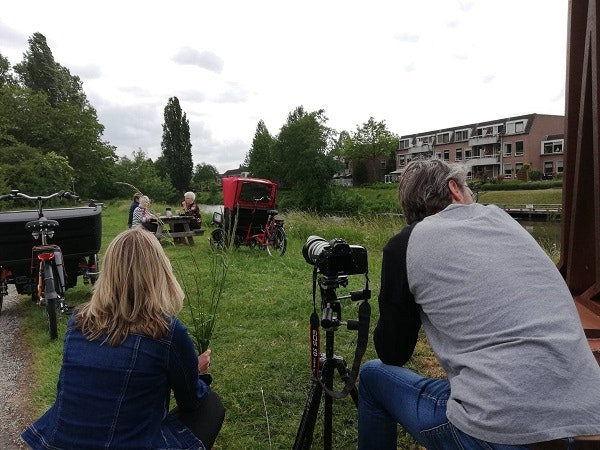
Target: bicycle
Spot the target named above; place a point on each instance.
(46, 261)
(271, 235)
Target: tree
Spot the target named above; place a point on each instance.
(302, 157)
(140, 171)
(259, 159)
(176, 146)
(49, 111)
(34, 172)
(205, 176)
(40, 72)
(6, 77)
(370, 143)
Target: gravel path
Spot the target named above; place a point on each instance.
(15, 377)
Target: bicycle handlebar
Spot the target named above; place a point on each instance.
(15, 193)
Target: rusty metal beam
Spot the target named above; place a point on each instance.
(580, 231)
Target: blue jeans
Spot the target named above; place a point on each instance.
(391, 395)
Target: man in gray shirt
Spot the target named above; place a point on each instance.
(498, 316)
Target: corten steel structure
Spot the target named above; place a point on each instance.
(580, 233)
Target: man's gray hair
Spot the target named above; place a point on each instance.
(423, 188)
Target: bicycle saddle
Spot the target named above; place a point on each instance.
(41, 224)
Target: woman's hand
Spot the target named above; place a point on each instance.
(204, 362)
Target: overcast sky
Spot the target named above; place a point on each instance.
(417, 65)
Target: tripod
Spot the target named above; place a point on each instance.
(329, 362)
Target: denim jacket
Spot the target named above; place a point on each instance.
(118, 397)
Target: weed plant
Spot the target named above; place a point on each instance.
(260, 344)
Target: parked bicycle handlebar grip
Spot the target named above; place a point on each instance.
(68, 195)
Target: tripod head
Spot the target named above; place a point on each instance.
(331, 309)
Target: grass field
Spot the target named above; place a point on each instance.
(260, 359)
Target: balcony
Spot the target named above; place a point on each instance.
(420, 149)
(484, 161)
(484, 140)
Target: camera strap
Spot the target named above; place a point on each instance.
(364, 318)
(315, 335)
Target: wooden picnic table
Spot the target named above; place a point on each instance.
(166, 228)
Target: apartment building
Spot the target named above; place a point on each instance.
(494, 149)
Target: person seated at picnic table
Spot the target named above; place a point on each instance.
(143, 217)
(134, 204)
(190, 208)
(125, 353)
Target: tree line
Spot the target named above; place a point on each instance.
(51, 139)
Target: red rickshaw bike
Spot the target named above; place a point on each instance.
(248, 216)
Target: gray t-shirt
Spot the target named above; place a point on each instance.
(504, 326)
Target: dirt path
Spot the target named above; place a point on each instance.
(15, 377)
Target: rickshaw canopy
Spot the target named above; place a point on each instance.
(248, 192)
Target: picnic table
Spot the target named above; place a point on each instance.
(166, 228)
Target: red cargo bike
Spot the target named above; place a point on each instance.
(249, 214)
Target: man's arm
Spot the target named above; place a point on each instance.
(399, 322)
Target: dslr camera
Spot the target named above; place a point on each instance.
(335, 257)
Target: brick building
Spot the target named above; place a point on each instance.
(494, 149)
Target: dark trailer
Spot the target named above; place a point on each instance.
(79, 235)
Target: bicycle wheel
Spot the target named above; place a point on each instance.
(217, 238)
(51, 313)
(279, 240)
(50, 295)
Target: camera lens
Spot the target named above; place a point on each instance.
(312, 249)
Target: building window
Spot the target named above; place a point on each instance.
(468, 153)
(519, 148)
(442, 138)
(403, 144)
(459, 154)
(507, 171)
(551, 147)
(517, 126)
(401, 160)
(438, 155)
(476, 152)
(425, 140)
(548, 168)
(383, 163)
(462, 135)
(559, 167)
(446, 155)
(507, 149)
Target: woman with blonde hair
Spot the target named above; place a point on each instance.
(125, 351)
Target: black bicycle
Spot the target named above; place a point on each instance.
(47, 262)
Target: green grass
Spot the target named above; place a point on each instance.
(260, 346)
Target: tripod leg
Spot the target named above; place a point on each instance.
(309, 417)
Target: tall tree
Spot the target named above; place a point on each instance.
(176, 146)
(259, 159)
(47, 110)
(40, 72)
(302, 157)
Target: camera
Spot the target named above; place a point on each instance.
(335, 257)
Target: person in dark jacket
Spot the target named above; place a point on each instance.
(134, 204)
(124, 353)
